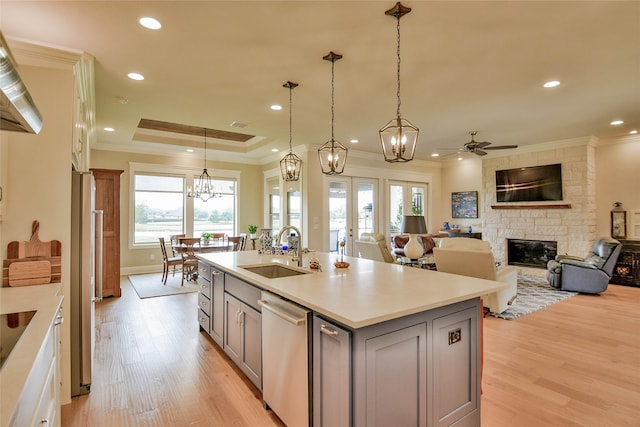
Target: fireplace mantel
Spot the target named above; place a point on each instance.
(556, 206)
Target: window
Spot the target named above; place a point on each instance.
(405, 199)
(216, 215)
(159, 207)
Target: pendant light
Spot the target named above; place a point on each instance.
(204, 188)
(333, 155)
(290, 165)
(398, 137)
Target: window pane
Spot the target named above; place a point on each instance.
(216, 215)
(417, 200)
(159, 207)
(395, 207)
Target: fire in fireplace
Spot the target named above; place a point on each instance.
(531, 253)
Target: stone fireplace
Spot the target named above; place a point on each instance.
(531, 253)
(571, 224)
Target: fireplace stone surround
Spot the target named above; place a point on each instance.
(573, 228)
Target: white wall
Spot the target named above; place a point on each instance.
(39, 180)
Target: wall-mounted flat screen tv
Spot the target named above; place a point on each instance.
(530, 184)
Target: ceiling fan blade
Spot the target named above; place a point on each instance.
(501, 147)
(482, 144)
(480, 152)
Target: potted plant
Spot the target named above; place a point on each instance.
(253, 229)
(206, 237)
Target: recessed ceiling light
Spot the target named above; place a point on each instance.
(190, 150)
(459, 158)
(108, 129)
(552, 83)
(135, 76)
(435, 155)
(150, 23)
(354, 141)
(633, 132)
(276, 107)
(616, 123)
(275, 150)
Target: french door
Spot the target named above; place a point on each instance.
(405, 198)
(352, 210)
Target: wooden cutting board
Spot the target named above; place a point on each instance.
(32, 263)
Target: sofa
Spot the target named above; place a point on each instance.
(473, 257)
(373, 246)
(427, 241)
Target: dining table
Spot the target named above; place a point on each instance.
(211, 246)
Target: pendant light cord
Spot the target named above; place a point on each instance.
(398, 53)
(333, 63)
(290, 118)
(205, 148)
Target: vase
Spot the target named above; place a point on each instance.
(266, 240)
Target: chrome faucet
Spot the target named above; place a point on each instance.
(298, 256)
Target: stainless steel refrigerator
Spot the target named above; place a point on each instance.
(86, 278)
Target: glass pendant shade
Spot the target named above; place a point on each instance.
(204, 187)
(399, 138)
(333, 157)
(332, 154)
(290, 165)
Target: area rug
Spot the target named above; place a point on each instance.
(534, 293)
(150, 285)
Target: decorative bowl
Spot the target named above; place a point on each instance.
(341, 264)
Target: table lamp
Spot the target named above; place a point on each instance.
(413, 225)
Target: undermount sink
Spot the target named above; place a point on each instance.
(273, 271)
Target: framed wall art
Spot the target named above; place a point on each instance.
(464, 204)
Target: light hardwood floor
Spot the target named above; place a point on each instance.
(576, 363)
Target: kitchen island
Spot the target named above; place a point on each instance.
(391, 345)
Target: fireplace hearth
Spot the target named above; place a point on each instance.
(531, 253)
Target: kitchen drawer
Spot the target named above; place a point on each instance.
(204, 320)
(204, 303)
(205, 288)
(204, 271)
(242, 290)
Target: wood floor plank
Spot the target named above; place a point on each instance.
(575, 363)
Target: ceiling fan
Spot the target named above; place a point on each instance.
(479, 148)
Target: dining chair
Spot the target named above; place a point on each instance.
(244, 241)
(188, 247)
(174, 242)
(237, 242)
(219, 237)
(168, 262)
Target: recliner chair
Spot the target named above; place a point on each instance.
(373, 246)
(588, 275)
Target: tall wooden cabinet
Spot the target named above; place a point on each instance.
(107, 196)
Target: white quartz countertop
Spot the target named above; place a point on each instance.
(46, 301)
(366, 293)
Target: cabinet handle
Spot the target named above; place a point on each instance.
(327, 331)
(216, 273)
(59, 321)
(44, 421)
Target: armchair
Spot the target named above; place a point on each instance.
(373, 246)
(473, 257)
(590, 274)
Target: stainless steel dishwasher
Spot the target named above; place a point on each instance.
(285, 359)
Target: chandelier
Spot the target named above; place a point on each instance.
(333, 155)
(290, 165)
(204, 188)
(398, 137)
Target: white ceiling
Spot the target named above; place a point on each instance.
(466, 65)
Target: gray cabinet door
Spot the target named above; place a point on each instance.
(217, 309)
(396, 378)
(232, 328)
(456, 361)
(331, 374)
(251, 356)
